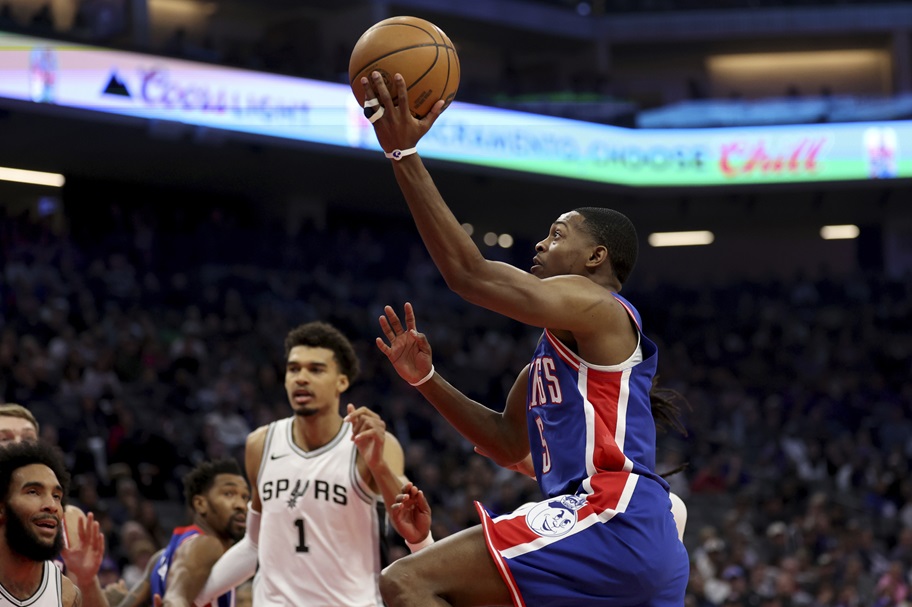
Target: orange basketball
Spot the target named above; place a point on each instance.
(413, 47)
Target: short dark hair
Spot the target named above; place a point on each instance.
(201, 479)
(18, 455)
(615, 232)
(318, 334)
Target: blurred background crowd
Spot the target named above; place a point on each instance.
(143, 351)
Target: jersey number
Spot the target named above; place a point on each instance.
(546, 455)
(302, 542)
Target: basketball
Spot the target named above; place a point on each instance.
(413, 47)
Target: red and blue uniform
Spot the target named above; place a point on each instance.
(605, 534)
(159, 580)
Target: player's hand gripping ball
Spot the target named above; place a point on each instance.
(415, 48)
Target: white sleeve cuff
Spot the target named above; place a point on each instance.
(422, 544)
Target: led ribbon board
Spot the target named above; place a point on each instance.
(242, 101)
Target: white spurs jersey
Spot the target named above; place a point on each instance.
(320, 527)
(49, 593)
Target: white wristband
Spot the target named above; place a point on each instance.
(400, 154)
(424, 379)
(422, 544)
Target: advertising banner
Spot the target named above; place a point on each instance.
(242, 101)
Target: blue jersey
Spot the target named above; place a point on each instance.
(604, 534)
(159, 579)
(588, 418)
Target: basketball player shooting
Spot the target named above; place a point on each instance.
(604, 534)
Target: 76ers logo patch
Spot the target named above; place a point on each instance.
(555, 517)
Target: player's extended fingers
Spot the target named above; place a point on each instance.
(383, 93)
(371, 426)
(363, 419)
(387, 329)
(360, 412)
(93, 529)
(88, 529)
(403, 500)
(428, 121)
(370, 437)
(402, 96)
(352, 417)
(421, 498)
(410, 321)
(381, 345)
(99, 538)
(393, 318)
(369, 93)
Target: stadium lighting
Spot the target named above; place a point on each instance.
(681, 239)
(55, 180)
(839, 232)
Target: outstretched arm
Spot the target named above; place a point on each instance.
(239, 563)
(572, 303)
(190, 569)
(384, 464)
(502, 436)
(234, 567)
